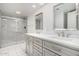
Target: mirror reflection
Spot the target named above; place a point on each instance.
(65, 16)
(39, 21)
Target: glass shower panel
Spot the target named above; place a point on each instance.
(12, 32)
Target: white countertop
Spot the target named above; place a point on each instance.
(72, 43)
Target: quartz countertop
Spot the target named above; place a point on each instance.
(72, 43)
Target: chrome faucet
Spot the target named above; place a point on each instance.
(61, 34)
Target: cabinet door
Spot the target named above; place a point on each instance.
(60, 50)
(69, 52)
(52, 46)
(49, 53)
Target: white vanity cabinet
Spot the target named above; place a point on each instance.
(44, 48)
(40, 47)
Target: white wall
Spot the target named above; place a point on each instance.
(31, 24)
(48, 19)
(0, 33)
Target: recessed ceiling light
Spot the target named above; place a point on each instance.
(41, 4)
(16, 20)
(34, 6)
(18, 12)
(4, 19)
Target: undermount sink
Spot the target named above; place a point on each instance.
(52, 36)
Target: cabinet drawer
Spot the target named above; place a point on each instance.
(49, 53)
(51, 46)
(39, 48)
(69, 52)
(36, 53)
(38, 41)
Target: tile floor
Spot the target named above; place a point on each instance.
(14, 50)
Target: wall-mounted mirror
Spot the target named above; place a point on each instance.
(39, 21)
(77, 4)
(65, 16)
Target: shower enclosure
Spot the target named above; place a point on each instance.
(12, 31)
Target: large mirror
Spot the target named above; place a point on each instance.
(39, 21)
(65, 16)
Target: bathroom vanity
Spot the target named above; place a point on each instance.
(48, 45)
(66, 20)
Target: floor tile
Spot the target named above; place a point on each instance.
(14, 50)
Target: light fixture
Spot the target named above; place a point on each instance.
(34, 6)
(41, 4)
(17, 20)
(4, 19)
(18, 12)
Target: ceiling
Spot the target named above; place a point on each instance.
(25, 9)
